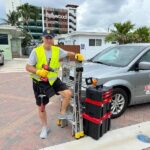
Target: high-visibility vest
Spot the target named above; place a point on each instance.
(54, 63)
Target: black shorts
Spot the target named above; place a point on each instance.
(48, 90)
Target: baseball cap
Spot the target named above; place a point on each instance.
(48, 33)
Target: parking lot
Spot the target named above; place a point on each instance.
(19, 123)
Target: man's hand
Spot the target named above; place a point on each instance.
(79, 57)
(42, 73)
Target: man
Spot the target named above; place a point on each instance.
(49, 54)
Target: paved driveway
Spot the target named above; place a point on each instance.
(19, 124)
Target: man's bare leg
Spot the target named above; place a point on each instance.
(43, 118)
(66, 94)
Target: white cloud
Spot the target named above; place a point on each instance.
(98, 15)
(2, 9)
(137, 11)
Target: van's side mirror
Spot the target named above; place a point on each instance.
(144, 65)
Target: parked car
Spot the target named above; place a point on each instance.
(126, 68)
(1, 57)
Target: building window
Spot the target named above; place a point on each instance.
(95, 42)
(98, 42)
(91, 42)
(113, 42)
(3, 39)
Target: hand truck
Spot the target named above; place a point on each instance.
(75, 107)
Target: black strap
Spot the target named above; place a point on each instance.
(35, 81)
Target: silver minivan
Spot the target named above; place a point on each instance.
(126, 68)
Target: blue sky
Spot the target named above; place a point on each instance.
(98, 15)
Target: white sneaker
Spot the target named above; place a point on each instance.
(44, 133)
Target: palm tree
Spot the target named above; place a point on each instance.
(27, 38)
(28, 12)
(25, 13)
(12, 18)
(121, 33)
(35, 14)
(142, 35)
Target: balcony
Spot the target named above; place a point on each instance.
(72, 24)
(34, 33)
(72, 18)
(71, 27)
(72, 21)
(71, 15)
(32, 20)
(32, 27)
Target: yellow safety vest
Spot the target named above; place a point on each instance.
(54, 63)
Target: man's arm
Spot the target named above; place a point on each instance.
(65, 54)
(71, 55)
(75, 56)
(42, 73)
(31, 68)
(32, 62)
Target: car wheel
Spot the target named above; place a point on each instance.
(2, 62)
(119, 103)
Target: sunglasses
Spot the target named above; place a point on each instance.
(48, 37)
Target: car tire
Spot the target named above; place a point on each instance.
(2, 62)
(119, 93)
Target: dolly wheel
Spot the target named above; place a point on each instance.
(77, 135)
(81, 133)
(59, 122)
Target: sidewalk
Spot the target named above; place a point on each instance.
(119, 139)
(15, 65)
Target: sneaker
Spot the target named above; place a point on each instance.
(44, 133)
(65, 116)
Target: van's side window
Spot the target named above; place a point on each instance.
(146, 57)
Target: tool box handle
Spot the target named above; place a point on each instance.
(106, 116)
(92, 119)
(107, 94)
(97, 103)
(107, 100)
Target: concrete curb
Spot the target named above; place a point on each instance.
(20, 59)
(119, 139)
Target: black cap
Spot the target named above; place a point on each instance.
(48, 33)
